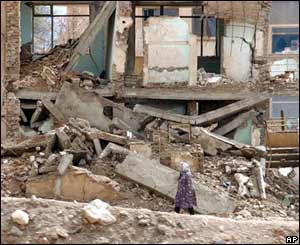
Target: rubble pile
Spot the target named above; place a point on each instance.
(286, 80)
(45, 73)
(206, 79)
(282, 197)
(56, 58)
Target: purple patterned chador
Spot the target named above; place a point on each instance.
(185, 196)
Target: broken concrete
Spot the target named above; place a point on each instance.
(196, 163)
(64, 140)
(97, 134)
(65, 161)
(206, 118)
(141, 148)
(27, 145)
(113, 148)
(38, 115)
(97, 146)
(235, 123)
(55, 112)
(164, 180)
(75, 102)
(87, 185)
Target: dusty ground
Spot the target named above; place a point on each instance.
(46, 215)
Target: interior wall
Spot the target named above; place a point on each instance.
(237, 54)
(93, 61)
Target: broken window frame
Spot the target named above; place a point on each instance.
(270, 41)
(52, 16)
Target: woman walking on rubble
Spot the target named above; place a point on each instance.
(186, 196)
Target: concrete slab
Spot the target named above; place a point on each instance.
(76, 102)
(164, 180)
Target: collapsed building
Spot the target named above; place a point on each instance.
(149, 84)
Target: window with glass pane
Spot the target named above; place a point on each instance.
(66, 22)
(42, 10)
(65, 28)
(285, 40)
(78, 9)
(42, 34)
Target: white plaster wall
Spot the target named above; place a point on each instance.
(168, 56)
(166, 29)
(209, 47)
(139, 42)
(172, 55)
(237, 53)
(166, 77)
(280, 66)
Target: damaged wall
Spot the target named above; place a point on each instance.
(12, 40)
(246, 31)
(168, 51)
(10, 116)
(123, 23)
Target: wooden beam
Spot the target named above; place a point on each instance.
(236, 122)
(97, 134)
(206, 118)
(89, 35)
(286, 156)
(283, 164)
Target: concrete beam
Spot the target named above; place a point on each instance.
(235, 123)
(206, 118)
(35, 95)
(152, 174)
(182, 94)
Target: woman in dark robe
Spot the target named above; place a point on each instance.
(186, 196)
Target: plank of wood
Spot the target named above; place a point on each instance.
(235, 123)
(97, 134)
(283, 164)
(91, 32)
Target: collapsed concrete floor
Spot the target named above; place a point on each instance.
(52, 221)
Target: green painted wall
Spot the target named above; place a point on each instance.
(244, 134)
(26, 23)
(95, 62)
(86, 62)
